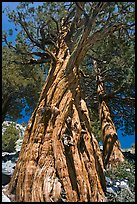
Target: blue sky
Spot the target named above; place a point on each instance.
(126, 141)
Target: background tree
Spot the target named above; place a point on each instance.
(21, 85)
(59, 152)
(115, 59)
(9, 138)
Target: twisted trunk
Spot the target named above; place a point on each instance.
(112, 154)
(60, 159)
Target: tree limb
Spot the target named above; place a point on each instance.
(49, 53)
(56, 22)
(103, 32)
(33, 61)
(27, 32)
(125, 99)
(74, 23)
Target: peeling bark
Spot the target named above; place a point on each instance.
(60, 160)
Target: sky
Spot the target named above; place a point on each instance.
(125, 141)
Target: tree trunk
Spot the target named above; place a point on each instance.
(112, 154)
(60, 159)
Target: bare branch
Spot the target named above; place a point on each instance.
(113, 95)
(44, 56)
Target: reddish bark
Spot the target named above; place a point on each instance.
(112, 154)
(59, 154)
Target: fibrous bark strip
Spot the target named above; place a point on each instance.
(59, 159)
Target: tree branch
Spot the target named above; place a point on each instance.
(74, 23)
(126, 99)
(27, 32)
(103, 32)
(42, 55)
(56, 22)
(81, 47)
(7, 43)
(69, 16)
(33, 61)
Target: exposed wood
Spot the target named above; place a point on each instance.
(47, 167)
(60, 160)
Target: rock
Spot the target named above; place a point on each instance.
(116, 188)
(101, 147)
(8, 167)
(8, 153)
(117, 183)
(123, 184)
(111, 190)
(6, 156)
(5, 198)
(128, 170)
(9, 158)
(108, 181)
(18, 145)
(126, 180)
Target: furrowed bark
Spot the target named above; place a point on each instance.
(112, 154)
(60, 159)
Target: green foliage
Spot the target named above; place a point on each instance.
(36, 17)
(116, 59)
(125, 196)
(117, 49)
(10, 32)
(20, 85)
(95, 125)
(120, 173)
(9, 138)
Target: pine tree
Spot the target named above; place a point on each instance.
(21, 85)
(112, 83)
(60, 159)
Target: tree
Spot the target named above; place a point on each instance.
(20, 85)
(9, 138)
(60, 156)
(118, 76)
(112, 153)
(118, 92)
(113, 75)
